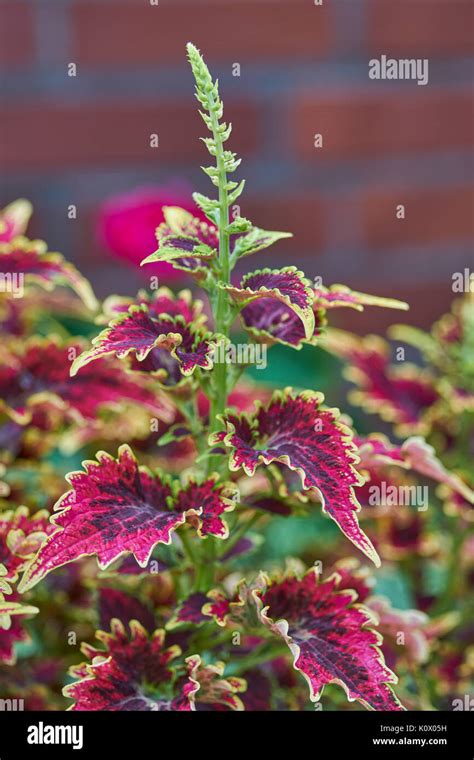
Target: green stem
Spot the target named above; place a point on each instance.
(241, 531)
(263, 655)
(453, 580)
(187, 546)
(219, 396)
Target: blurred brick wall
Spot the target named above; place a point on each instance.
(304, 70)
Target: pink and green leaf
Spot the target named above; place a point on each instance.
(161, 301)
(341, 295)
(140, 333)
(182, 236)
(36, 377)
(414, 454)
(31, 259)
(116, 507)
(215, 690)
(189, 611)
(298, 432)
(114, 603)
(21, 536)
(14, 219)
(329, 637)
(133, 672)
(256, 239)
(271, 321)
(403, 395)
(288, 286)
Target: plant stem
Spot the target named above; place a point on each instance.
(241, 531)
(266, 653)
(219, 398)
(187, 546)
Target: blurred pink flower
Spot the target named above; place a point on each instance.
(127, 225)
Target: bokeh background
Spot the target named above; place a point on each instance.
(303, 70)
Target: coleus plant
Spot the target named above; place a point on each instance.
(179, 627)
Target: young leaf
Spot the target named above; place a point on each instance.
(14, 219)
(21, 535)
(341, 295)
(189, 611)
(288, 286)
(214, 690)
(140, 332)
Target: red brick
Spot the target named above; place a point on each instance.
(57, 136)
(304, 216)
(431, 216)
(361, 123)
(127, 34)
(421, 27)
(17, 45)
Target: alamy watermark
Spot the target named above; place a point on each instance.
(12, 282)
(387, 495)
(463, 282)
(465, 703)
(240, 353)
(42, 733)
(12, 705)
(416, 69)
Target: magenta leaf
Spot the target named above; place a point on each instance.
(132, 673)
(329, 638)
(220, 607)
(116, 507)
(31, 259)
(214, 690)
(341, 295)
(271, 321)
(412, 624)
(376, 452)
(162, 301)
(21, 536)
(296, 431)
(139, 332)
(182, 238)
(398, 394)
(288, 286)
(114, 603)
(188, 243)
(183, 235)
(280, 322)
(189, 611)
(36, 377)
